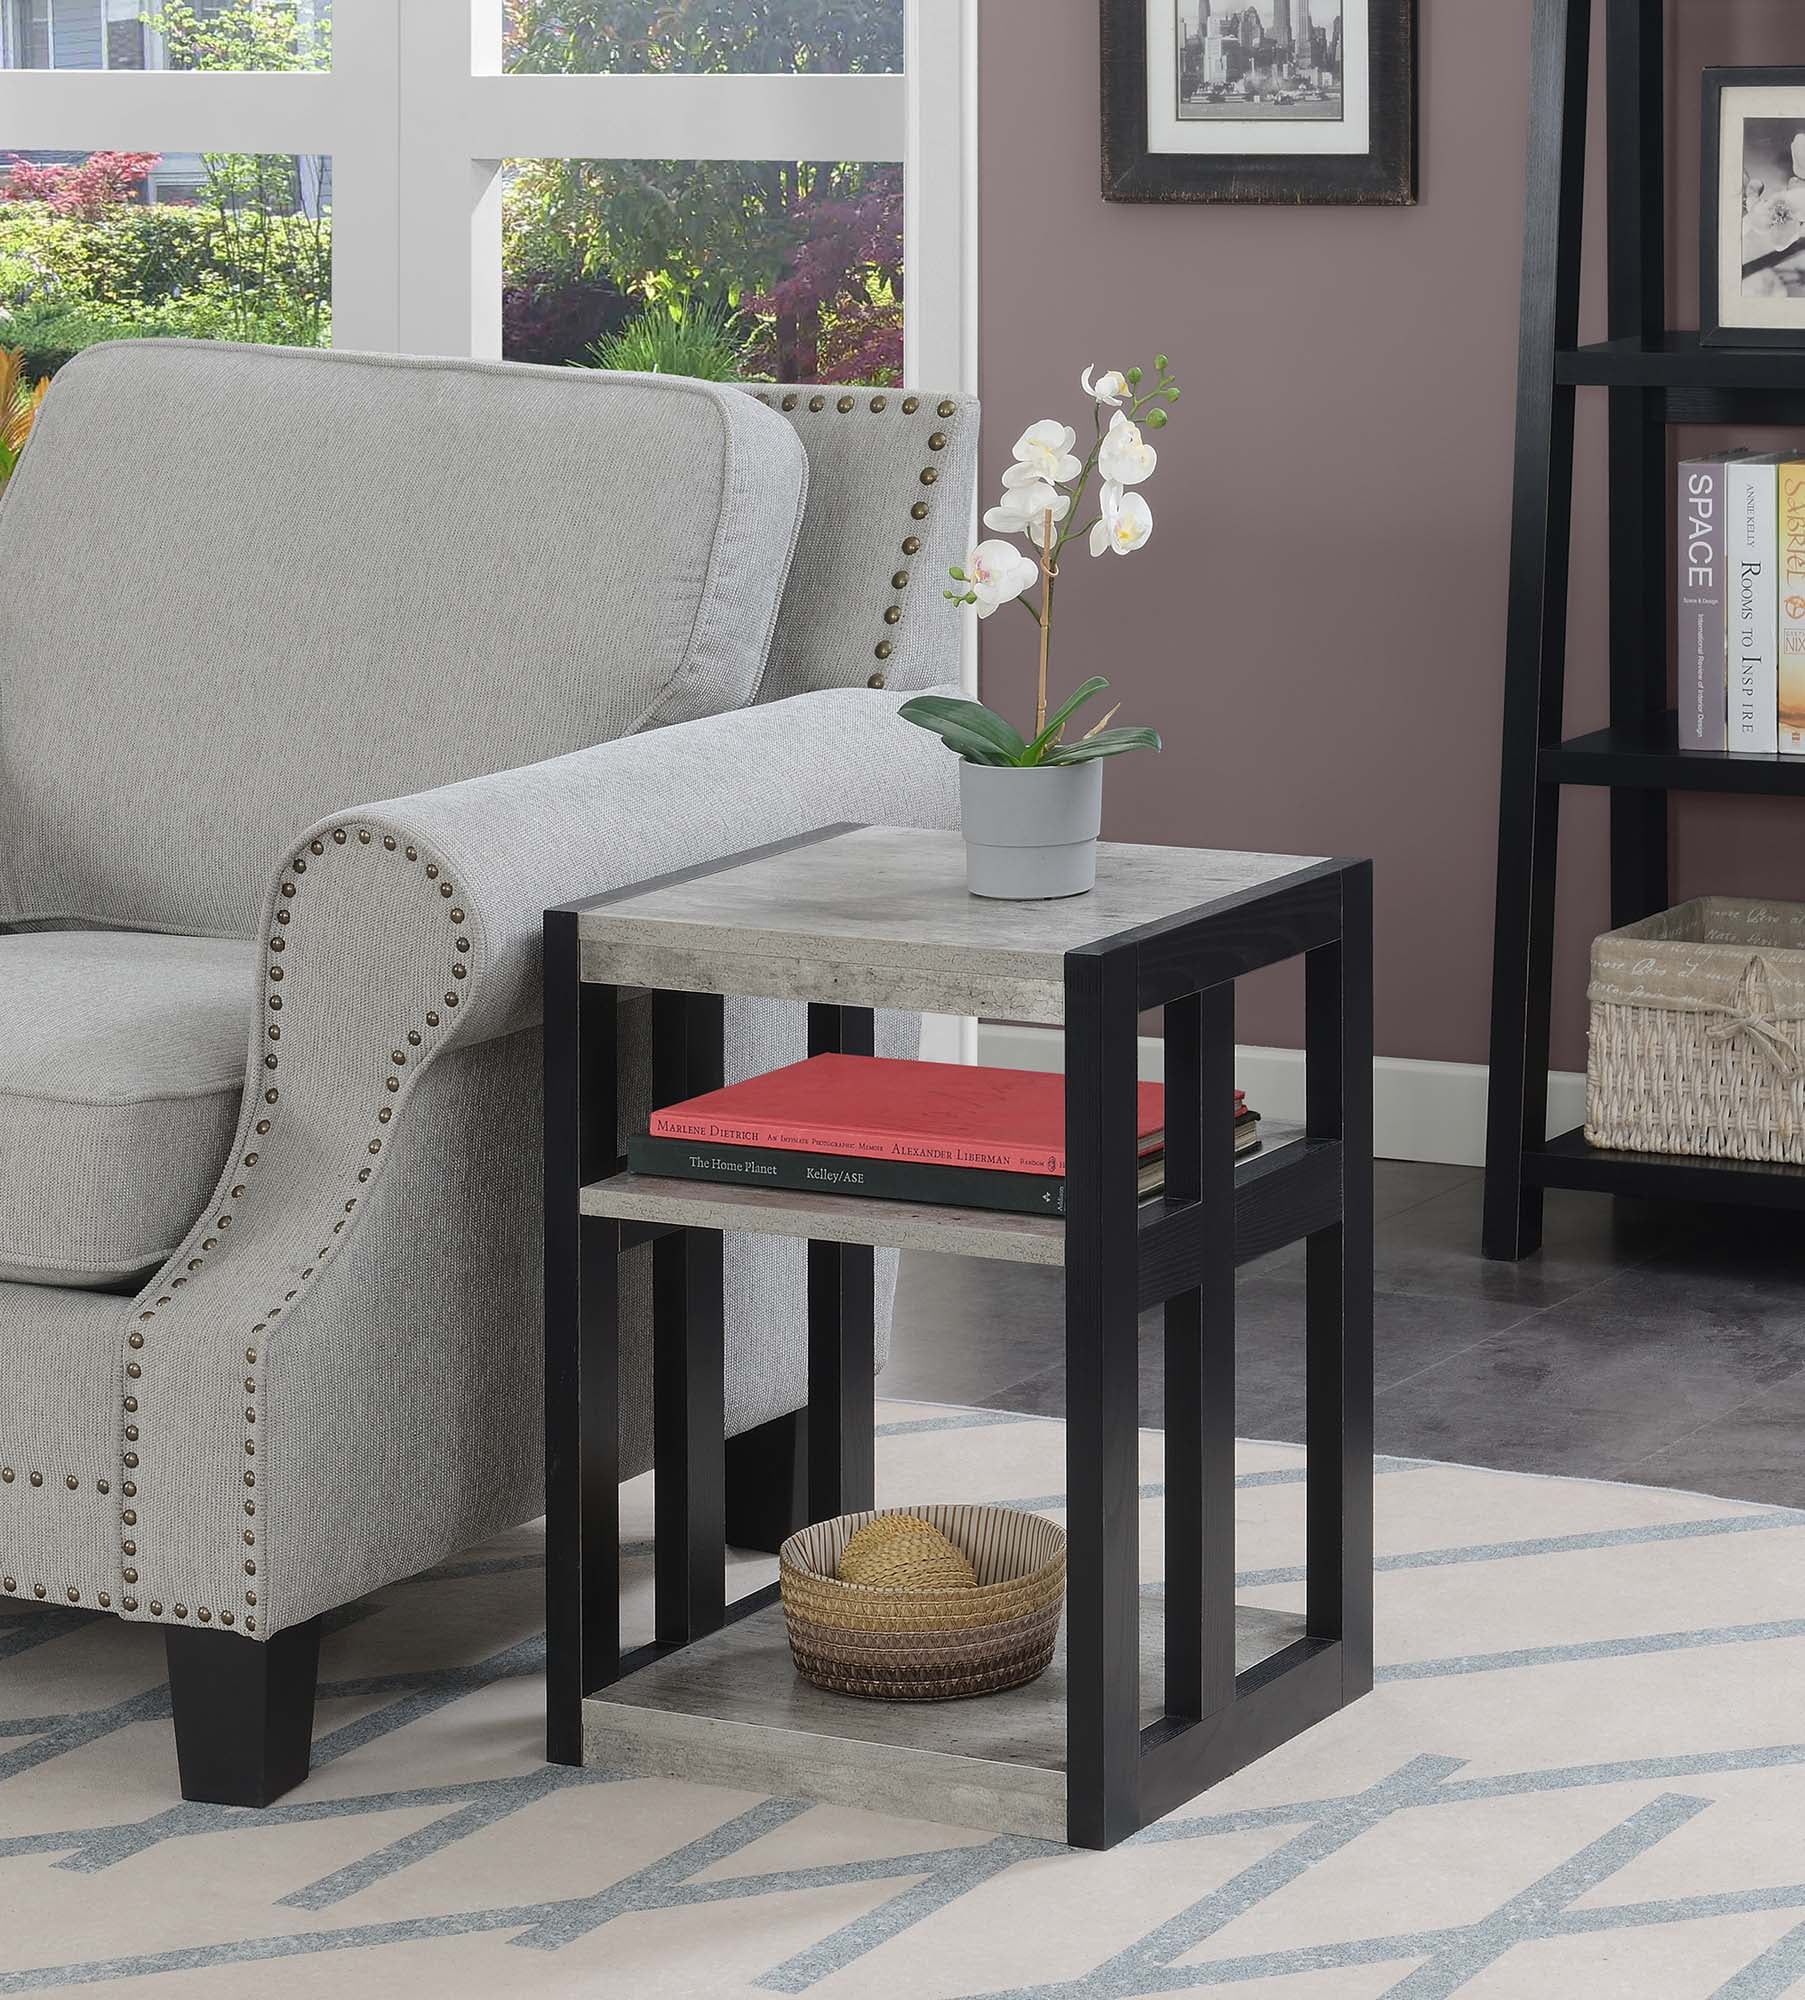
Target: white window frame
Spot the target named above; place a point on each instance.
(418, 118)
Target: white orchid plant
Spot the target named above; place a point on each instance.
(1043, 501)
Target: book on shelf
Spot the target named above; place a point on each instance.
(1703, 680)
(896, 1130)
(1792, 608)
(1753, 533)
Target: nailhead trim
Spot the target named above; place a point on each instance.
(287, 890)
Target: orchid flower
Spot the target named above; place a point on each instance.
(1126, 522)
(1111, 389)
(1024, 510)
(1125, 458)
(1043, 455)
(996, 573)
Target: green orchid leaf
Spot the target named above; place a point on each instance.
(935, 711)
(1037, 750)
(1112, 743)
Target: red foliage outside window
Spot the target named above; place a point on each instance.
(85, 188)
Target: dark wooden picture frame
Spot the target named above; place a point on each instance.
(1712, 198)
(1383, 176)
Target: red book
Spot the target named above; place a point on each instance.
(876, 1108)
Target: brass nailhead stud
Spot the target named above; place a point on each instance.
(817, 402)
(225, 1617)
(928, 475)
(269, 1062)
(445, 889)
(790, 402)
(316, 846)
(894, 615)
(884, 649)
(130, 1575)
(238, 1192)
(250, 1624)
(391, 1083)
(284, 916)
(204, 1615)
(413, 854)
(278, 944)
(288, 888)
(70, 1481)
(156, 1607)
(129, 1516)
(937, 442)
(874, 681)
(299, 866)
(38, 1590)
(100, 1486)
(9, 1582)
(912, 545)
(413, 1038)
(363, 836)
(131, 1404)
(338, 834)
(129, 1549)
(388, 841)
(73, 1595)
(432, 1020)
(900, 581)
(844, 405)
(6, 1473)
(250, 1506)
(271, 1096)
(131, 1461)
(432, 871)
(135, 1339)
(399, 1056)
(375, 1145)
(363, 1173)
(133, 1369)
(262, 1127)
(947, 408)
(463, 944)
(910, 405)
(880, 404)
(37, 1479)
(131, 1433)
(457, 917)
(384, 1115)
(919, 512)
(250, 1568)
(129, 1489)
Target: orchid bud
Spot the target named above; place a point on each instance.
(1156, 420)
(1134, 378)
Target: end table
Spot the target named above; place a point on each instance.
(844, 920)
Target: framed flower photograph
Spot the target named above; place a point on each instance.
(1294, 101)
(1752, 209)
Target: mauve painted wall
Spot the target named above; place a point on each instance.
(1318, 623)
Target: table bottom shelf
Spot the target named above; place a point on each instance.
(732, 1710)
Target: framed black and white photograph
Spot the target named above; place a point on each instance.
(1752, 209)
(1268, 101)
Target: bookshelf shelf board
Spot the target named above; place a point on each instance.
(1568, 1162)
(1282, 1192)
(1678, 361)
(1649, 758)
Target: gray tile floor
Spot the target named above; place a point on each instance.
(1665, 1347)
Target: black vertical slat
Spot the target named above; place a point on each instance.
(1535, 642)
(1102, 1400)
(582, 1419)
(1200, 1361)
(688, 1387)
(842, 1325)
(1338, 1267)
(1635, 152)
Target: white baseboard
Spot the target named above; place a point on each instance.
(1421, 1110)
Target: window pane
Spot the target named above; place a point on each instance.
(166, 34)
(764, 36)
(760, 270)
(213, 246)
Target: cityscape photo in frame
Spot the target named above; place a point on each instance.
(1299, 101)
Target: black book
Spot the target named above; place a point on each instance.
(883, 1180)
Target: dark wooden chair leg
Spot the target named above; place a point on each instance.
(767, 1483)
(243, 1711)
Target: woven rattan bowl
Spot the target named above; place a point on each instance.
(905, 1644)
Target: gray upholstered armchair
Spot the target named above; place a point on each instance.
(419, 648)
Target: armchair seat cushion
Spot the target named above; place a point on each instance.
(122, 1064)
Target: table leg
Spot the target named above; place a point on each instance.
(1102, 1401)
(1338, 1056)
(688, 1390)
(842, 1328)
(582, 1424)
(1200, 1360)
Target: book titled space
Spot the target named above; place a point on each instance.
(1752, 488)
(1703, 680)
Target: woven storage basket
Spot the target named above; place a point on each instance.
(900, 1644)
(1698, 1029)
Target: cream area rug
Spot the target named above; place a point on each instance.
(1582, 1776)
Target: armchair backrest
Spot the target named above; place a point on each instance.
(891, 478)
(248, 587)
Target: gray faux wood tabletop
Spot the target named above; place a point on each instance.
(880, 916)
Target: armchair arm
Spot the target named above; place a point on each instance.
(361, 1287)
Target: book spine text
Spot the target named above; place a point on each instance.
(1754, 606)
(1792, 610)
(1703, 682)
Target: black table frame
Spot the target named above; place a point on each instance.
(1122, 1256)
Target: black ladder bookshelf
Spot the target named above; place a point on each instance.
(1654, 378)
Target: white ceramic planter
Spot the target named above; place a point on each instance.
(1030, 835)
